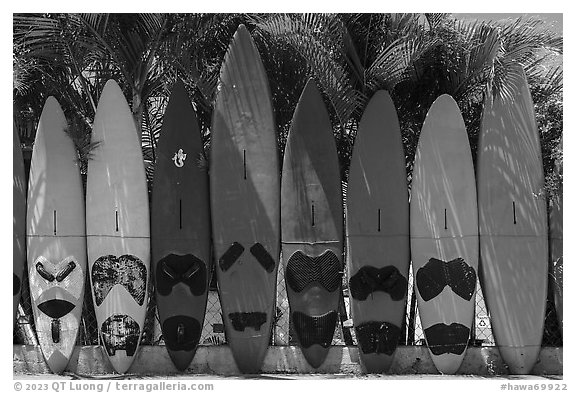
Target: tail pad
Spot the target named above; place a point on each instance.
(436, 274)
(303, 270)
(181, 333)
(442, 338)
(315, 330)
(378, 337)
(242, 320)
(120, 332)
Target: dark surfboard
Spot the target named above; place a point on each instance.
(180, 229)
(245, 200)
(378, 234)
(312, 226)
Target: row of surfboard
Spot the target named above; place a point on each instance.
(251, 215)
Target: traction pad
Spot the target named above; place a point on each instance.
(436, 274)
(126, 270)
(257, 250)
(378, 337)
(242, 320)
(181, 333)
(370, 279)
(120, 332)
(302, 270)
(315, 330)
(442, 338)
(186, 269)
(56, 308)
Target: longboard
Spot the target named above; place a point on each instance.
(19, 219)
(556, 223)
(513, 223)
(245, 200)
(378, 230)
(312, 226)
(444, 234)
(118, 228)
(56, 238)
(180, 225)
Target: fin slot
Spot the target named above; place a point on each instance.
(514, 211)
(54, 222)
(379, 223)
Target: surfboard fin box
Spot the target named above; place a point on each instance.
(315, 330)
(187, 269)
(436, 274)
(378, 337)
(181, 332)
(370, 279)
(302, 270)
(242, 320)
(120, 332)
(126, 270)
(442, 338)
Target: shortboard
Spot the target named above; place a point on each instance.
(56, 238)
(312, 226)
(19, 219)
(513, 223)
(118, 228)
(245, 201)
(444, 234)
(180, 229)
(378, 230)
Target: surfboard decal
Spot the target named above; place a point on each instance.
(16, 284)
(56, 308)
(179, 158)
(230, 256)
(315, 330)
(181, 333)
(242, 320)
(370, 279)
(263, 257)
(302, 270)
(378, 337)
(126, 270)
(442, 338)
(187, 269)
(436, 274)
(120, 332)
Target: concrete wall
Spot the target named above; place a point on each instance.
(217, 360)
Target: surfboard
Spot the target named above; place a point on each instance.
(118, 229)
(378, 228)
(56, 238)
(556, 224)
(180, 229)
(245, 200)
(312, 226)
(444, 234)
(19, 219)
(513, 223)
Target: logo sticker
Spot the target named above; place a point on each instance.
(179, 158)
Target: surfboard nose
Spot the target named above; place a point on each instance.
(315, 354)
(57, 362)
(249, 353)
